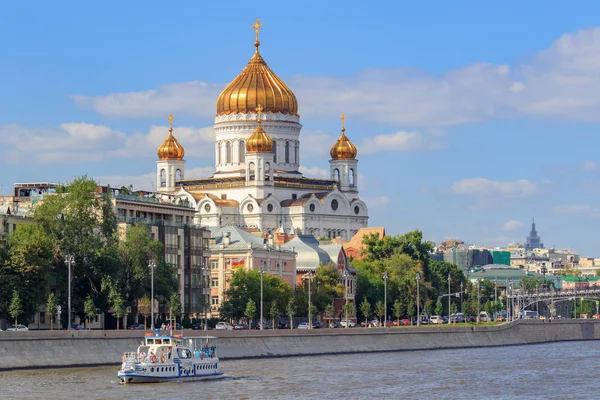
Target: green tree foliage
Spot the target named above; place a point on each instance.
(398, 309)
(290, 310)
(380, 310)
(26, 268)
(15, 308)
(453, 308)
(329, 313)
(365, 309)
(250, 311)
(273, 313)
(90, 309)
(439, 308)
(245, 285)
(51, 308)
(144, 308)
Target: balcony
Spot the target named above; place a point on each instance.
(151, 200)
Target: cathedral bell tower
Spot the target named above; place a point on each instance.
(259, 156)
(343, 165)
(170, 163)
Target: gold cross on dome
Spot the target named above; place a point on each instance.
(170, 122)
(258, 111)
(343, 118)
(256, 26)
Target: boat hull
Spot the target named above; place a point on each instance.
(131, 378)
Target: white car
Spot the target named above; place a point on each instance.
(435, 319)
(303, 325)
(17, 328)
(224, 326)
(351, 323)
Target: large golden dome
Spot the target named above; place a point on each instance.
(343, 149)
(259, 141)
(170, 149)
(255, 85)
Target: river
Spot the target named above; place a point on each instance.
(567, 370)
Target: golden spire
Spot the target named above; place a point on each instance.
(259, 141)
(170, 149)
(256, 26)
(343, 149)
(170, 123)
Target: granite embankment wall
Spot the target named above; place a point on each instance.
(85, 348)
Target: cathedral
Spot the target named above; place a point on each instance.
(257, 184)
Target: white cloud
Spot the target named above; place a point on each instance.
(84, 143)
(589, 166)
(399, 141)
(487, 187)
(148, 181)
(577, 209)
(315, 145)
(510, 226)
(314, 172)
(560, 81)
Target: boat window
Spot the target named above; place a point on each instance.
(158, 341)
(150, 341)
(167, 341)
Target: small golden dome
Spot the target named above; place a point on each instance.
(255, 85)
(170, 149)
(259, 141)
(343, 149)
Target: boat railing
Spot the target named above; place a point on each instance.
(130, 358)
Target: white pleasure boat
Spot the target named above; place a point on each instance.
(164, 358)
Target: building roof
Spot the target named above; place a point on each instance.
(357, 240)
(310, 253)
(239, 239)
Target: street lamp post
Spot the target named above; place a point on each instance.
(418, 298)
(261, 271)
(69, 263)
(309, 276)
(346, 275)
(461, 298)
(478, 299)
(152, 266)
(206, 287)
(495, 296)
(449, 295)
(507, 301)
(385, 278)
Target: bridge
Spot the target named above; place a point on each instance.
(549, 299)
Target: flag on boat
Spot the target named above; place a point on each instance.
(238, 263)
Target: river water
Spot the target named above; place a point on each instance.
(568, 370)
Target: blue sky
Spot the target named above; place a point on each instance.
(469, 119)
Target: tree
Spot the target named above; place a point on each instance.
(118, 305)
(250, 312)
(51, 308)
(329, 313)
(15, 309)
(453, 308)
(90, 309)
(273, 313)
(410, 310)
(398, 310)
(380, 310)
(365, 309)
(439, 308)
(489, 308)
(144, 307)
(291, 310)
(174, 308)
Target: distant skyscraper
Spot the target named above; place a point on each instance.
(533, 240)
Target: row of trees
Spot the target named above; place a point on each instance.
(109, 269)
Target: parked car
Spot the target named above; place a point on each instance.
(318, 325)
(303, 325)
(404, 322)
(335, 325)
(484, 317)
(197, 326)
(137, 326)
(351, 323)
(374, 323)
(435, 319)
(240, 327)
(283, 324)
(19, 327)
(224, 326)
(266, 325)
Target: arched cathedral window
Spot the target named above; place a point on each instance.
(287, 152)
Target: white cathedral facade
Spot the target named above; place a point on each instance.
(257, 184)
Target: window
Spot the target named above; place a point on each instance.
(270, 208)
(334, 204)
(219, 153)
(42, 317)
(351, 177)
(297, 155)
(356, 210)
(214, 282)
(242, 151)
(336, 175)
(163, 178)
(312, 208)
(178, 175)
(250, 207)
(287, 152)
(214, 265)
(215, 301)
(274, 151)
(294, 196)
(228, 152)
